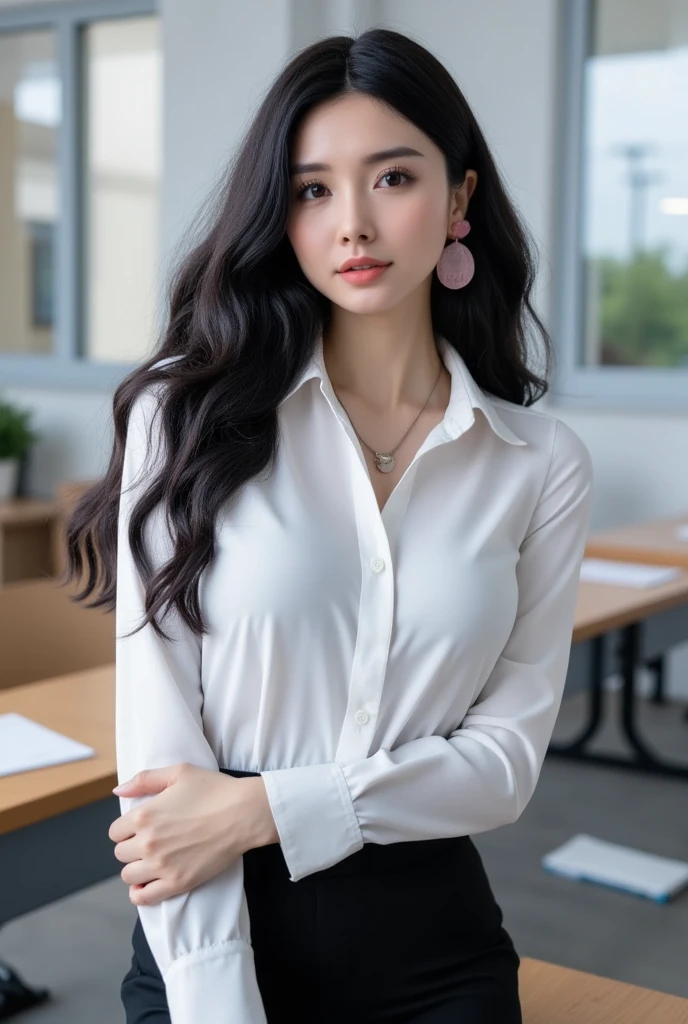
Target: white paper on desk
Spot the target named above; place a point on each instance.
(681, 531)
(25, 745)
(627, 574)
(594, 860)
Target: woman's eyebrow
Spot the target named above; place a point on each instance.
(371, 158)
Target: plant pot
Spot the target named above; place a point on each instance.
(9, 478)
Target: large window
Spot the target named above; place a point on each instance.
(30, 114)
(622, 323)
(80, 165)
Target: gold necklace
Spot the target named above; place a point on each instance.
(385, 460)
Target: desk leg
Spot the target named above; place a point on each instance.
(641, 757)
(656, 666)
(645, 759)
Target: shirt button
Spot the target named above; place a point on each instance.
(362, 717)
(378, 564)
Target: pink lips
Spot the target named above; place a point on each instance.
(363, 276)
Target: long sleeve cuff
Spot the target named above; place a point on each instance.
(215, 985)
(314, 815)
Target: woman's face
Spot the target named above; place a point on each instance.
(395, 208)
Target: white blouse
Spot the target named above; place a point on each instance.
(392, 675)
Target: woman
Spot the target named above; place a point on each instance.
(345, 559)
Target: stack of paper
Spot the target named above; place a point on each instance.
(595, 860)
(25, 745)
(627, 574)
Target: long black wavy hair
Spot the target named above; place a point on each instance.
(244, 320)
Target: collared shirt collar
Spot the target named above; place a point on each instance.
(465, 394)
(469, 396)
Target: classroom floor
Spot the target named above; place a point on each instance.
(79, 947)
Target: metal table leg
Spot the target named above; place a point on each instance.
(640, 758)
(656, 666)
(644, 759)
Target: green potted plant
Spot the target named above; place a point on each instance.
(16, 437)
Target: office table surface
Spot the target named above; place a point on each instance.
(16, 511)
(602, 607)
(560, 995)
(82, 706)
(655, 541)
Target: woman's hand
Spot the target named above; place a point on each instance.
(196, 825)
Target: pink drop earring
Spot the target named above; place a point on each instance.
(456, 265)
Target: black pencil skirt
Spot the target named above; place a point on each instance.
(406, 933)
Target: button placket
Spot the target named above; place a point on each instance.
(377, 533)
(376, 610)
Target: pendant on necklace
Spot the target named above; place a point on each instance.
(385, 463)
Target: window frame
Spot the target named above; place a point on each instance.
(574, 384)
(65, 367)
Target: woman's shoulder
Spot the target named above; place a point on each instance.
(148, 398)
(145, 409)
(542, 430)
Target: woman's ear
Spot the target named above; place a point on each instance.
(468, 188)
(461, 197)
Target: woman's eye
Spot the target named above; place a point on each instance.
(304, 188)
(393, 173)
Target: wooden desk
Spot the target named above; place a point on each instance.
(26, 539)
(603, 607)
(560, 995)
(654, 542)
(54, 822)
(622, 628)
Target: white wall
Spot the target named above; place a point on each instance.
(219, 57)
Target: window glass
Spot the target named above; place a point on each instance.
(635, 185)
(30, 118)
